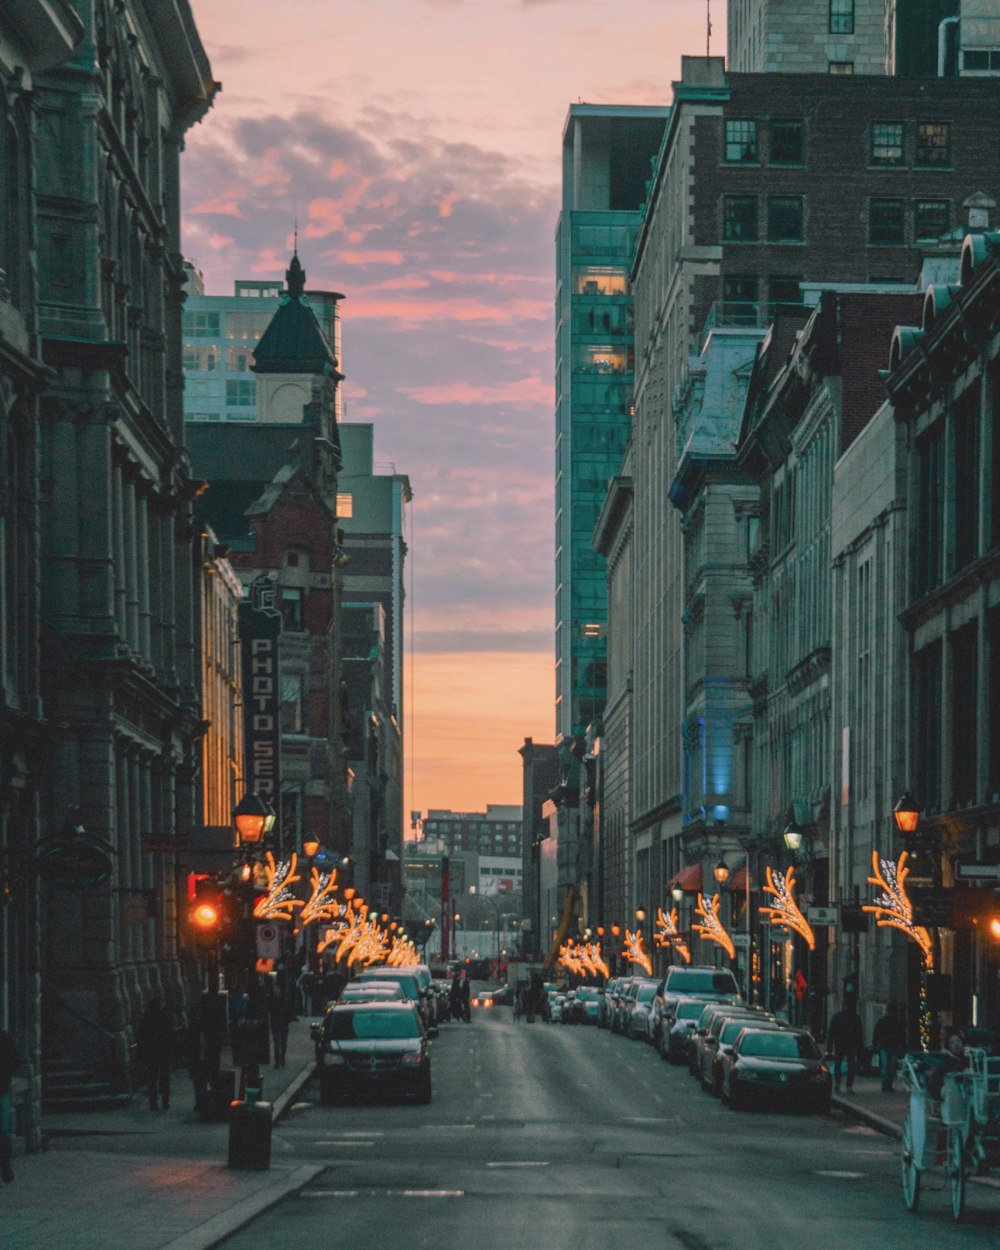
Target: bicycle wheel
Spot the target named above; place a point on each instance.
(911, 1173)
(956, 1168)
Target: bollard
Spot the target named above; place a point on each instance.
(250, 1134)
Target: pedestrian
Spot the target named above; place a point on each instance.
(889, 1043)
(305, 985)
(279, 1013)
(9, 1060)
(153, 1042)
(196, 1064)
(844, 1042)
(460, 1003)
(518, 1002)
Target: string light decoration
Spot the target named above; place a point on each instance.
(347, 934)
(594, 960)
(321, 904)
(713, 930)
(635, 951)
(785, 911)
(401, 953)
(569, 959)
(279, 902)
(667, 934)
(893, 908)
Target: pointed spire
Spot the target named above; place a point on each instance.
(295, 277)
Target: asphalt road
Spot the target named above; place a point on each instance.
(569, 1138)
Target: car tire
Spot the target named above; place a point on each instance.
(736, 1101)
(824, 1105)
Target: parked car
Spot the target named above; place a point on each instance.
(622, 1004)
(681, 981)
(569, 1011)
(718, 1041)
(412, 984)
(638, 1022)
(368, 1048)
(606, 1002)
(556, 1000)
(775, 1069)
(680, 1030)
(710, 1012)
(588, 1003)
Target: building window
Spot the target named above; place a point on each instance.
(981, 59)
(933, 144)
(841, 17)
(345, 506)
(931, 218)
(887, 143)
(241, 393)
(291, 703)
(291, 607)
(841, 67)
(201, 325)
(741, 143)
(739, 299)
(886, 222)
(739, 218)
(784, 219)
(787, 141)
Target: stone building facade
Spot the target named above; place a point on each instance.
(101, 636)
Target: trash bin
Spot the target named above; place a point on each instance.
(220, 1090)
(250, 1134)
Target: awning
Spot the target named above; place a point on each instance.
(689, 878)
(739, 879)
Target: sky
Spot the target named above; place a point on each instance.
(417, 144)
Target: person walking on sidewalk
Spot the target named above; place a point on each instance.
(889, 1043)
(9, 1060)
(279, 1013)
(844, 1041)
(153, 1048)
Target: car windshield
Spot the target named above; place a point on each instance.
(384, 993)
(408, 985)
(646, 993)
(701, 981)
(689, 1011)
(588, 993)
(779, 1045)
(731, 1030)
(347, 1025)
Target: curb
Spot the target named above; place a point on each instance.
(282, 1102)
(222, 1226)
(872, 1118)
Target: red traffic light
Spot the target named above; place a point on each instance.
(205, 916)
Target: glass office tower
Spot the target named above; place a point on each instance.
(607, 161)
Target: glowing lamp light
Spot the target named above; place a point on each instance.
(906, 814)
(252, 817)
(310, 846)
(677, 893)
(205, 916)
(793, 837)
(246, 872)
(995, 926)
(721, 872)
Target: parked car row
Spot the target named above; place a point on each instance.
(740, 1053)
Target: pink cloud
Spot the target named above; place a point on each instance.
(370, 258)
(224, 205)
(521, 393)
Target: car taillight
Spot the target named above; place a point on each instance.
(412, 1059)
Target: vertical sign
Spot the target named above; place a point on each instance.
(845, 767)
(260, 634)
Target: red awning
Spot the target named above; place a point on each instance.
(688, 878)
(739, 881)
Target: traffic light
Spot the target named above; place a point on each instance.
(205, 910)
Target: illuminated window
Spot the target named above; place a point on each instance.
(741, 142)
(887, 143)
(841, 67)
(933, 144)
(345, 506)
(601, 280)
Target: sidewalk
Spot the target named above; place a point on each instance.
(136, 1179)
(867, 1102)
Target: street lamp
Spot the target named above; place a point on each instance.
(906, 814)
(792, 836)
(721, 872)
(677, 893)
(310, 845)
(253, 818)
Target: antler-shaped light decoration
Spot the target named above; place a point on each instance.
(786, 911)
(713, 929)
(348, 934)
(401, 952)
(371, 946)
(593, 960)
(669, 935)
(635, 952)
(320, 905)
(893, 906)
(569, 957)
(279, 902)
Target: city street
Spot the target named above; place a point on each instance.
(550, 1136)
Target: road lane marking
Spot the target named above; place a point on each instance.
(352, 1142)
(519, 1163)
(382, 1193)
(843, 1176)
